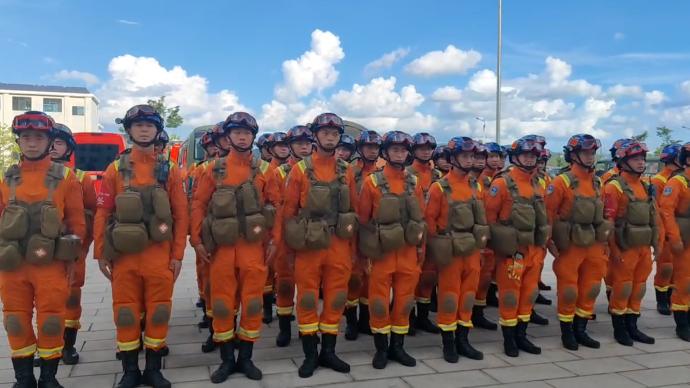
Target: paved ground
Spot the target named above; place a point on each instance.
(667, 363)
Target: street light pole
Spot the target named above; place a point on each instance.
(498, 73)
(483, 127)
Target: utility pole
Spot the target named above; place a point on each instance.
(498, 73)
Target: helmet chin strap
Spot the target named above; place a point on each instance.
(42, 156)
(330, 151)
(630, 170)
(578, 161)
(457, 165)
(399, 166)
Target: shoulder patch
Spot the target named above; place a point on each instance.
(550, 189)
(494, 191)
(668, 190)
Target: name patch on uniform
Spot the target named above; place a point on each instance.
(550, 189)
(493, 191)
(668, 191)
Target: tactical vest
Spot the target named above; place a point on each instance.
(526, 225)
(328, 211)
(585, 225)
(637, 227)
(33, 231)
(236, 211)
(398, 219)
(435, 175)
(142, 214)
(683, 217)
(466, 227)
(284, 170)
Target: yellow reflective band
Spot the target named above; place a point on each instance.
(302, 165)
(662, 288)
(566, 317)
(661, 178)
(423, 300)
(480, 303)
(507, 322)
(281, 171)
(364, 301)
(328, 328)
(268, 289)
(284, 310)
(263, 167)
(566, 180)
(72, 324)
(682, 180)
(154, 342)
(308, 328)
(373, 180)
(400, 329)
(352, 303)
(49, 353)
(524, 318)
(451, 327)
(583, 313)
(251, 334)
(618, 312)
(24, 352)
(223, 336)
(467, 324)
(617, 185)
(381, 330)
(127, 346)
(440, 186)
(542, 183)
(679, 307)
(631, 311)
(209, 313)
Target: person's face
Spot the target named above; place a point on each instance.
(328, 137)
(587, 157)
(527, 159)
(281, 151)
(442, 164)
(541, 165)
(637, 163)
(58, 149)
(424, 152)
(266, 154)
(370, 151)
(224, 143)
(143, 131)
(398, 153)
(302, 148)
(494, 161)
(479, 162)
(212, 150)
(33, 144)
(343, 153)
(465, 160)
(241, 137)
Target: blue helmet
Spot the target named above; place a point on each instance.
(670, 153)
(495, 148)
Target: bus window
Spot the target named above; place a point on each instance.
(95, 157)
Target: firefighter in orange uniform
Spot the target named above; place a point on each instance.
(320, 225)
(664, 258)
(368, 146)
(300, 141)
(61, 152)
(629, 204)
(457, 231)
(37, 197)
(544, 181)
(579, 241)
(674, 204)
(262, 144)
(139, 234)
(441, 159)
(519, 230)
(390, 210)
(422, 152)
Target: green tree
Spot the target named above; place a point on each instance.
(171, 115)
(9, 150)
(641, 137)
(665, 134)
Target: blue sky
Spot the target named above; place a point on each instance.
(609, 68)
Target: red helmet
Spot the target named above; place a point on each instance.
(35, 121)
(327, 120)
(206, 139)
(630, 149)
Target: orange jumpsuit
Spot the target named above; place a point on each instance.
(43, 287)
(578, 270)
(270, 278)
(458, 281)
(664, 262)
(428, 279)
(517, 277)
(142, 280)
(329, 268)
(628, 269)
(487, 274)
(613, 172)
(675, 199)
(358, 286)
(73, 313)
(237, 269)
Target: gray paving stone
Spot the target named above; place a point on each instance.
(531, 384)
(516, 374)
(321, 376)
(661, 359)
(441, 365)
(196, 373)
(450, 380)
(661, 376)
(393, 369)
(606, 380)
(664, 345)
(606, 350)
(99, 381)
(98, 368)
(551, 355)
(382, 383)
(598, 366)
(233, 381)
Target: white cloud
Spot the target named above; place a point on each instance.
(386, 61)
(87, 78)
(127, 22)
(378, 98)
(618, 36)
(655, 97)
(134, 80)
(447, 93)
(624, 91)
(312, 71)
(449, 61)
(483, 82)
(685, 88)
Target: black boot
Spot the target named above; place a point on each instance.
(509, 345)
(351, 330)
(412, 331)
(363, 321)
(69, 353)
(538, 319)
(682, 325)
(152, 375)
(541, 299)
(568, 336)
(200, 304)
(662, 302)
(620, 332)
(268, 309)
(381, 356)
(463, 346)
(285, 333)
(433, 305)
(479, 320)
(24, 372)
(209, 345)
(205, 322)
(311, 356)
(581, 336)
(396, 351)
(48, 371)
(130, 366)
(244, 363)
(491, 295)
(521, 339)
(165, 350)
(635, 333)
(423, 322)
(543, 286)
(227, 366)
(450, 352)
(328, 358)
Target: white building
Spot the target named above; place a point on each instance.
(75, 107)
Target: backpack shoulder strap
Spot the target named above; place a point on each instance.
(219, 170)
(381, 182)
(57, 172)
(13, 177)
(410, 183)
(341, 167)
